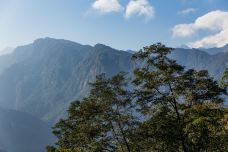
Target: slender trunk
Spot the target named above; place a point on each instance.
(180, 129)
(115, 136)
(124, 138)
(179, 120)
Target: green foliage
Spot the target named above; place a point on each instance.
(99, 122)
(191, 98)
(164, 109)
(224, 79)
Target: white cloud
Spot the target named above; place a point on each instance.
(217, 40)
(215, 21)
(140, 8)
(187, 11)
(183, 30)
(107, 6)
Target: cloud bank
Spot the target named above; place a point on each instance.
(214, 21)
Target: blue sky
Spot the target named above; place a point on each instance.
(122, 24)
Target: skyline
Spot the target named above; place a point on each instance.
(124, 24)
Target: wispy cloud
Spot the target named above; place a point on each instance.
(107, 6)
(214, 21)
(187, 11)
(139, 8)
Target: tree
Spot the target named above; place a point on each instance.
(99, 122)
(224, 79)
(164, 109)
(183, 108)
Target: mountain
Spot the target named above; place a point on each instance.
(39, 80)
(197, 59)
(216, 50)
(131, 51)
(183, 46)
(21, 132)
(42, 78)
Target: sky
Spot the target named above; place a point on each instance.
(121, 24)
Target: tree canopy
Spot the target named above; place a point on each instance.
(162, 108)
(224, 79)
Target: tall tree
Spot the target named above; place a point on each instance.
(100, 122)
(183, 109)
(224, 79)
(165, 109)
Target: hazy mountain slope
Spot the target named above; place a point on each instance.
(20, 132)
(102, 59)
(50, 73)
(35, 67)
(193, 58)
(42, 78)
(216, 50)
(47, 75)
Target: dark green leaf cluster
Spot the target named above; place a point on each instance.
(165, 108)
(224, 79)
(100, 122)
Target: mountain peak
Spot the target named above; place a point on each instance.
(103, 48)
(99, 45)
(45, 39)
(183, 46)
(49, 40)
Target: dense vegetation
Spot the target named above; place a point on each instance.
(162, 108)
(224, 79)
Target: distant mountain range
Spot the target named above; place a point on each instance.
(42, 78)
(211, 51)
(197, 59)
(216, 50)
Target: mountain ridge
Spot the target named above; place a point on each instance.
(43, 77)
(57, 71)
